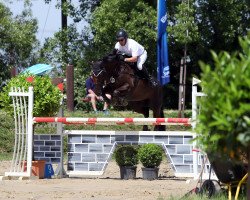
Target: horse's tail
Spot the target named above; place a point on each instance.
(162, 127)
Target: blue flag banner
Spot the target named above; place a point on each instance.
(163, 73)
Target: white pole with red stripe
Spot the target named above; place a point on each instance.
(115, 121)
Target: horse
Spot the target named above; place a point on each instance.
(119, 79)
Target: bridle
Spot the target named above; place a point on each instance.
(106, 79)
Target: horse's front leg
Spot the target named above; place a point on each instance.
(105, 94)
(119, 95)
(121, 91)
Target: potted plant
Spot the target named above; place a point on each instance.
(126, 157)
(150, 155)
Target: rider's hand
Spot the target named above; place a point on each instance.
(99, 98)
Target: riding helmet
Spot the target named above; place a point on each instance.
(121, 34)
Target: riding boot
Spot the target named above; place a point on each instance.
(147, 76)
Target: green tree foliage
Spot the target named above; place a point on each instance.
(221, 23)
(136, 17)
(182, 36)
(7, 128)
(85, 8)
(17, 41)
(51, 50)
(211, 24)
(77, 56)
(224, 122)
(183, 27)
(47, 97)
(93, 44)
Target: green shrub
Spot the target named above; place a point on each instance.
(150, 155)
(126, 155)
(46, 96)
(7, 129)
(224, 121)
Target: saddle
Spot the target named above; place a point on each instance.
(133, 65)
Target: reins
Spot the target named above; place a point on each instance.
(111, 73)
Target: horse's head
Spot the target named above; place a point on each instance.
(97, 68)
(112, 58)
(98, 74)
(107, 71)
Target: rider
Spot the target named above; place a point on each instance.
(137, 52)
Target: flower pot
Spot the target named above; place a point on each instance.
(38, 167)
(150, 155)
(150, 173)
(128, 172)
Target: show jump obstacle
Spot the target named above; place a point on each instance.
(90, 151)
(115, 121)
(23, 108)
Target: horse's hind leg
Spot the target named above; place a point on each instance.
(158, 112)
(146, 115)
(162, 127)
(142, 108)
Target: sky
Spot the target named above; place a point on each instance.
(49, 17)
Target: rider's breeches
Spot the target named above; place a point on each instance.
(141, 60)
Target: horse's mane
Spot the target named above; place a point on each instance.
(112, 64)
(114, 57)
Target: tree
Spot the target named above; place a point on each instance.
(224, 121)
(211, 24)
(184, 29)
(183, 32)
(220, 24)
(18, 40)
(138, 20)
(51, 53)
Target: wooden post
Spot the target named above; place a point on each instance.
(70, 87)
(184, 79)
(180, 101)
(13, 72)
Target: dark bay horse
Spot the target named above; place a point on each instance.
(120, 80)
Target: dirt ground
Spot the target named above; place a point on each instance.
(109, 186)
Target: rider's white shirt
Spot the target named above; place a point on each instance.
(131, 48)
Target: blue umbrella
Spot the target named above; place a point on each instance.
(38, 69)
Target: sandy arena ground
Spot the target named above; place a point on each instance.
(109, 186)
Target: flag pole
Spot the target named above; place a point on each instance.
(163, 73)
